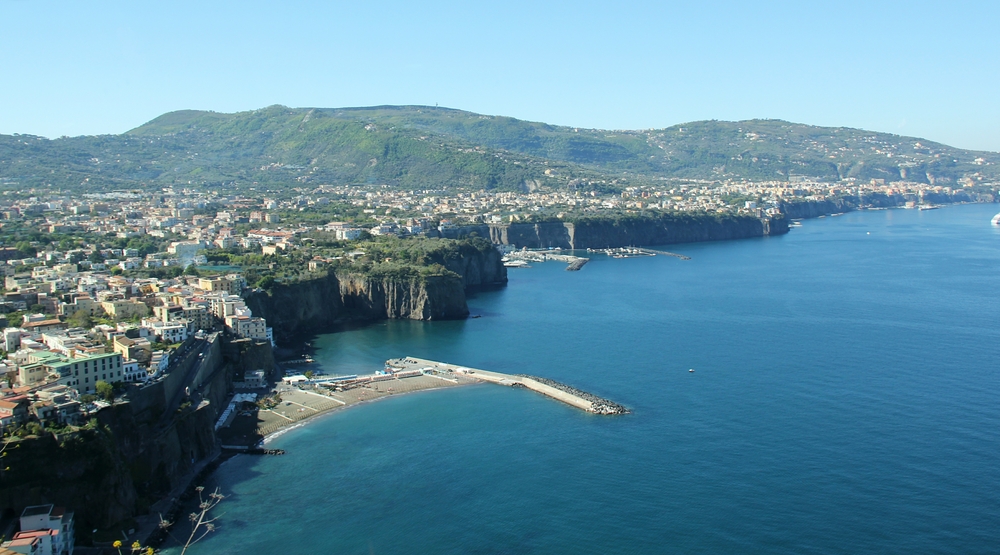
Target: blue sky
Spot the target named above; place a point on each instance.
(927, 69)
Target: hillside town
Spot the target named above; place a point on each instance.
(99, 312)
(61, 365)
(268, 219)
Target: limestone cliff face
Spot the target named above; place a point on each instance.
(606, 232)
(335, 298)
(816, 208)
(129, 460)
(112, 472)
(478, 267)
(664, 231)
(81, 471)
(431, 298)
(323, 302)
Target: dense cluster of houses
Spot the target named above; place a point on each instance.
(51, 364)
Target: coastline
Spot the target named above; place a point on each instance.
(317, 416)
(292, 406)
(673, 393)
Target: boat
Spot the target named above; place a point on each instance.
(928, 207)
(516, 264)
(995, 220)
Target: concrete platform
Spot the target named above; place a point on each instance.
(554, 390)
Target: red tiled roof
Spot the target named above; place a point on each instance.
(35, 533)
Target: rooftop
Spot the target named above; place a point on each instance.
(36, 510)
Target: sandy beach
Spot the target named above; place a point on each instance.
(301, 403)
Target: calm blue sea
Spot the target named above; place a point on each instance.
(845, 399)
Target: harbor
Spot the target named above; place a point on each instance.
(634, 252)
(522, 258)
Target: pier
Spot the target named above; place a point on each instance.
(552, 389)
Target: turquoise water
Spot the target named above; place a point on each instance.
(845, 400)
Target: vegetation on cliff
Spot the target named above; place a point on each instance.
(411, 258)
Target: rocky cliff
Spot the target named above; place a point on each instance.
(125, 460)
(815, 208)
(80, 470)
(604, 232)
(344, 296)
(331, 299)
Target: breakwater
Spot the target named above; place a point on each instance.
(552, 389)
(599, 405)
(575, 265)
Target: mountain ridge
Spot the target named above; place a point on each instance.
(435, 147)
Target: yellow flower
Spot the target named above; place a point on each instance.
(117, 544)
(136, 546)
(150, 551)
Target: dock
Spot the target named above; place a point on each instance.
(520, 259)
(549, 388)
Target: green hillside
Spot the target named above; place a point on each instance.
(432, 148)
(753, 149)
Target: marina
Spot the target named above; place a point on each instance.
(635, 252)
(521, 258)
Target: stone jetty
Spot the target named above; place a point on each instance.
(598, 404)
(550, 388)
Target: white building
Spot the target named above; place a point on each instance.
(133, 373)
(45, 530)
(158, 363)
(168, 332)
(11, 339)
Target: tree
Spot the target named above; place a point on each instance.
(25, 249)
(201, 523)
(265, 282)
(105, 390)
(81, 319)
(308, 374)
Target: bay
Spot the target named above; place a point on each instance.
(844, 400)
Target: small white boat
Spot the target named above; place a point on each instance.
(995, 220)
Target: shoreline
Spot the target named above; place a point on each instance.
(267, 438)
(292, 406)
